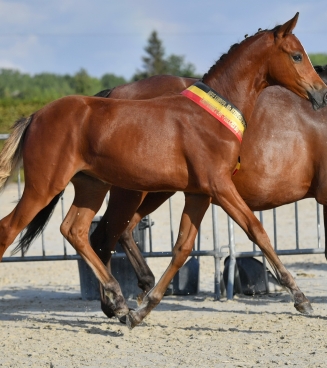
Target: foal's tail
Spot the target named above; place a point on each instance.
(36, 226)
(11, 153)
(10, 157)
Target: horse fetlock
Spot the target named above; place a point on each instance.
(140, 297)
(121, 308)
(116, 302)
(286, 280)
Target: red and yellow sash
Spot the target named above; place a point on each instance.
(218, 107)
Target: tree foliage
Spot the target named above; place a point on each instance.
(44, 87)
(155, 62)
(318, 59)
(21, 93)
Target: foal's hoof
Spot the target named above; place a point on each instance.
(110, 313)
(123, 319)
(107, 310)
(304, 307)
(132, 319)
(121, 313)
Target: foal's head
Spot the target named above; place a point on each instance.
(270, 57)
(290, 66)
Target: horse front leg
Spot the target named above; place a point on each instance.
(89, 195)
(122, 206)
(194, 210)
(229, 199)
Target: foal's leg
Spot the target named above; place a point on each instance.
(194, 210)
(89, 195)
(122, 204)
(144, 275)
(27, 208)
(121, 207)
(229, 199)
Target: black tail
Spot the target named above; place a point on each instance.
(36, 226)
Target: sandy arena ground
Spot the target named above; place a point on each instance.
(45, 323)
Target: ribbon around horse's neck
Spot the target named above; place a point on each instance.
(218, 107)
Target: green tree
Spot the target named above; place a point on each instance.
(111, 80)
(176, 65)
(155, 62)
(22, 94)
(83, 84)
(318, 59)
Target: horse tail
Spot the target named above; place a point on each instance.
(11, 153)
(36, 226)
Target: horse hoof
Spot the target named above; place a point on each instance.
(121, 313)
(304, 307)
(123, 319)
(132, 319)
(107, 310)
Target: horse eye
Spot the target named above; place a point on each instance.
(297, 58)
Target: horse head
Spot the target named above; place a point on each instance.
(289, 54)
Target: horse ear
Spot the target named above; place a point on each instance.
(288, 27)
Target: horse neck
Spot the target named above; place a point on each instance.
(241, 75)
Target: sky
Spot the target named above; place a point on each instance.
(109, 36)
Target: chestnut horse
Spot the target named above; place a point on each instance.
(163, 144)
(260, 181)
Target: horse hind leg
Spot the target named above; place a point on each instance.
(146, 280)
(230, 200)
(122, 206)
(27, 208)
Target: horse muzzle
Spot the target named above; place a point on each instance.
(318, 99)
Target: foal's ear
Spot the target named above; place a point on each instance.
(287, 27)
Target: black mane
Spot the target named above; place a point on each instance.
(235, 45)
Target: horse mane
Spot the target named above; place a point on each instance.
(236, 45)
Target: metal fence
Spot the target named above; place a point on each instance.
(297, 231)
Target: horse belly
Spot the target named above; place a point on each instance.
(139, 173)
